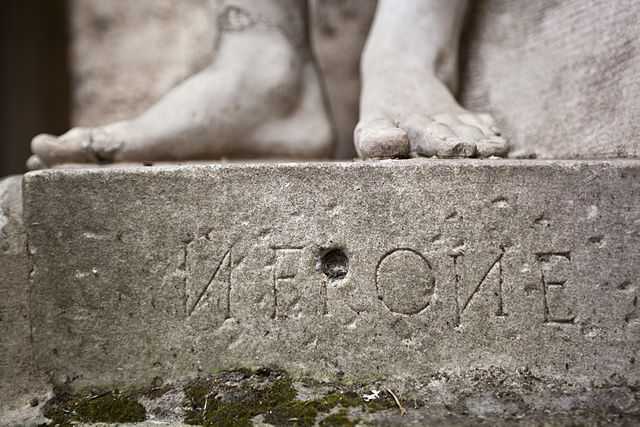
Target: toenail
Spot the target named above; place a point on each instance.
(35, 162)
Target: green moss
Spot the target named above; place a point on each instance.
(197, 392)
(229, 414)
(235, 397)
(110, 408)
(264, 392)
(339, 419)
(281, 391)
(228, 398)
(304, 413)
(66, 409)
(293, 413)
(347, 399)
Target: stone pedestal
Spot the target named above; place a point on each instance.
(394, 269)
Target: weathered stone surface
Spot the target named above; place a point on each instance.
(395, 269)
(18, 381)
(14, 275)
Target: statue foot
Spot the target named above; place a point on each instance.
(416, 115)
(409, 73)
(260, 97)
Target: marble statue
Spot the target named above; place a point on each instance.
(561, 80)
(262, 95)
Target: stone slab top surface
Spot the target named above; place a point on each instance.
(396, 163)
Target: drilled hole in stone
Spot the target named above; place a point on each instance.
(334, 263)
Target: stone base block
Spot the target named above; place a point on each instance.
(21, 386)
(395, 269)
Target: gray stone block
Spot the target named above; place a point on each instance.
(19, 383)
(14, 275)
(396, 268)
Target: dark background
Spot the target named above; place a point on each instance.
(34, 76)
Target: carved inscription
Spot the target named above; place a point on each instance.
(404, 281)
(492, 276)
(555, 272)
(634, 314)
(285, 269)
(215, 289)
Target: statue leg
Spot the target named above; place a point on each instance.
(259, 97)
(409, 72)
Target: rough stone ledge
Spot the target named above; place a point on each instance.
(270, 397)
(395, 269)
